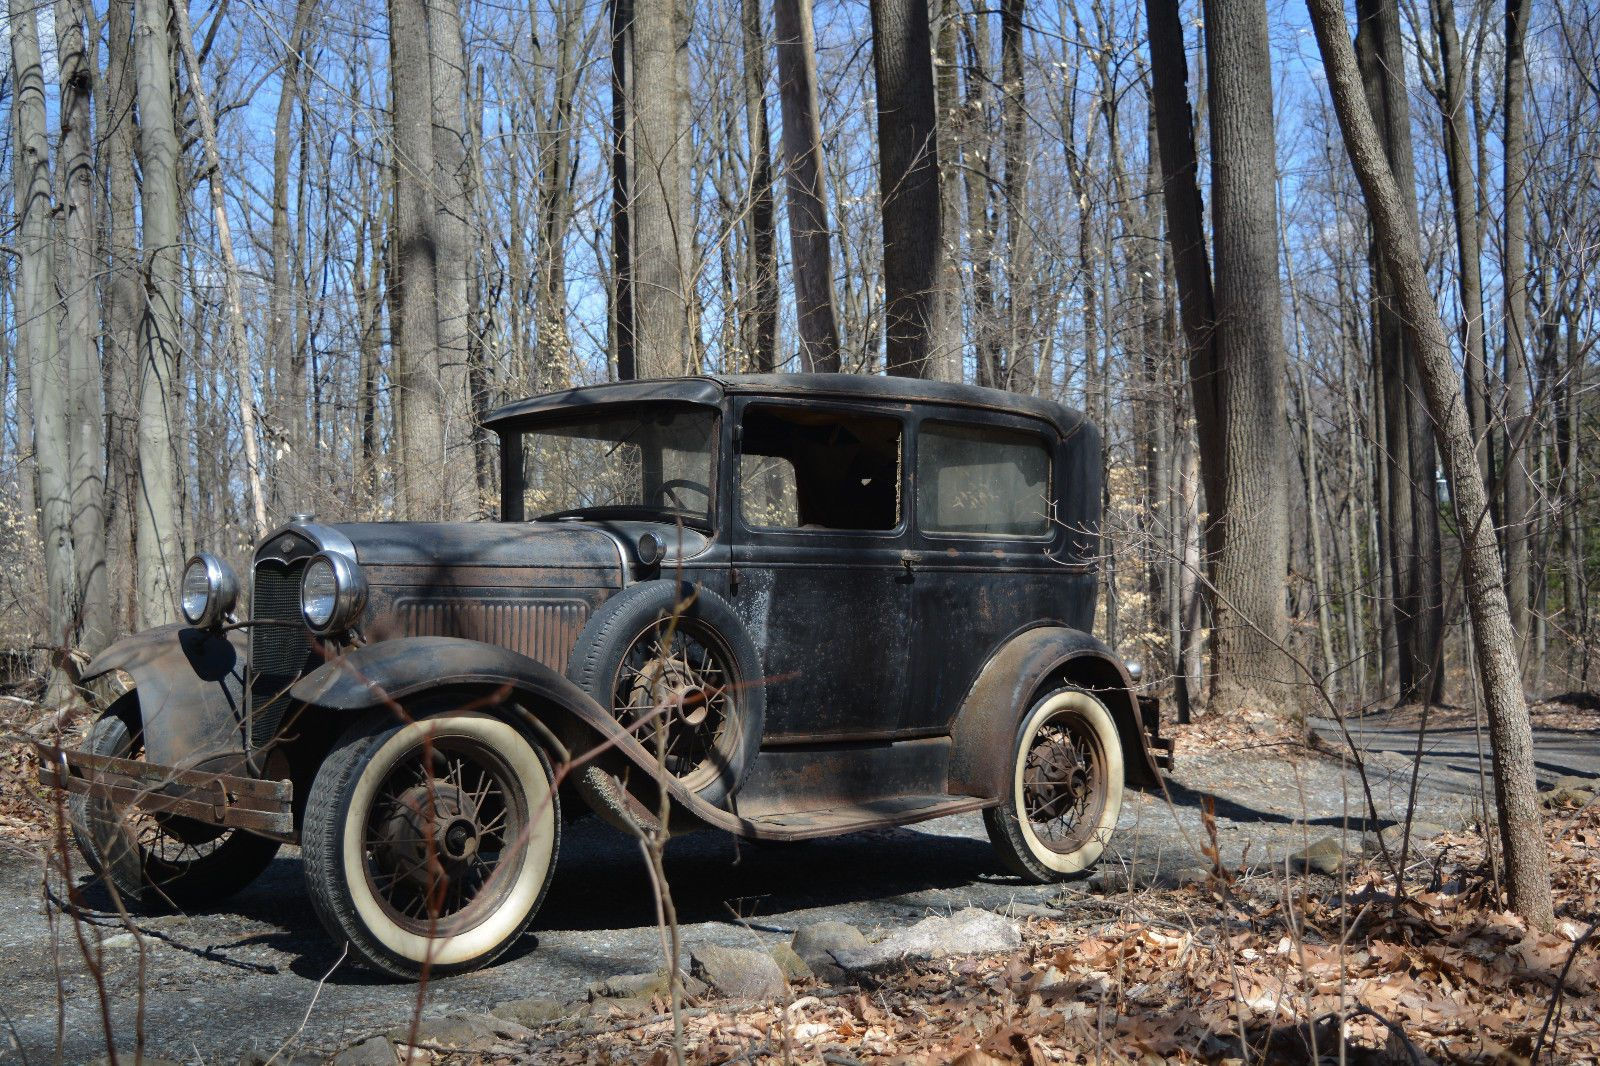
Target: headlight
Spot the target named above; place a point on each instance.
(332, 593)
(210, 591)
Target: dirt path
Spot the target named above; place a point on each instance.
(243, 977)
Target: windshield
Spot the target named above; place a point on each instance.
(627, 463)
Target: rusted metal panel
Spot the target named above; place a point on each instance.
(191, 691)
(849, 774)
(261, 806)
(543, 630)
(985, 729)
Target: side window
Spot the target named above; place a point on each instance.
(982, 481)
(808, 469)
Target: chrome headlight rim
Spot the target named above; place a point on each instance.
(349, 593)
(221, 590)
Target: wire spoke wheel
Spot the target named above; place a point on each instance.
(1066, 788)
(447, 818)
(674, 689)
(1063, 783)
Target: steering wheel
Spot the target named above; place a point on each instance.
(669, 495)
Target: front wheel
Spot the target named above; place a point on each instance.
(429, 843)
(158, 861)
(1065, 791)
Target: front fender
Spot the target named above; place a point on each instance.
(386, 673)
(986, 726)
(190, 684)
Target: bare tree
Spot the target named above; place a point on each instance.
(1517, 480)
(810, 242)
(908, 180)
(159, 540)
(1249, 623)
(758, 327)
(1522, 837)
(75, 263)
(36, 311)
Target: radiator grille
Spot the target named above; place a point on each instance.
(278, 653)
(540, 629)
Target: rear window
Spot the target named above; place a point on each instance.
(982, 481)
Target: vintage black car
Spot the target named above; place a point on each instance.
(783, 606)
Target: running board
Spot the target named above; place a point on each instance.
(852, 818)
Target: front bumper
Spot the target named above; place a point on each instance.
(262, 807)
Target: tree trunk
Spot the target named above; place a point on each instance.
(1250, 626)
(947, 333)
(1452, 100)
(158, 529)
(452, 209)
(810, 240)
(661, 217)
(1180, 194)
(419, 378)
(1412, 507)
(1518, 491)
(234, 305)
(37, 319)
(759, 329)
(1021, 373)
(624, 343)
(1494, 640)
(123, 307)
(79, 332)
(288, 391)
(908, 180)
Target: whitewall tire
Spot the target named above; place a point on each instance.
(429, 844)
(1064, 791)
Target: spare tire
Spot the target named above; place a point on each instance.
(676, 666)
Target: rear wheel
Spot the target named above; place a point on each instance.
(430, 843)
(158, 860)
(1065, 791)
(674, 664)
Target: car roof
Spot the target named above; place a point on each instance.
(710, 389)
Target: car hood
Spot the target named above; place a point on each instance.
(446, 546)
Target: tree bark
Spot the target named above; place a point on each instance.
(1518, 490)
(158, 529)
(947, 332)
(661, 218)
(810, 240)
(759, 328)
(452, 206)
(1022, 375)
(123, 299)
(37, 317)
(908, 181)
(419, 377)
(624, 343)
(1494, 640)
(1250, 626)
(1185, 211)
(79, 332)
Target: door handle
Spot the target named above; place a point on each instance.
(908, 560)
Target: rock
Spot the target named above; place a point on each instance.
(814, 944)
(738, 973)
(1567, 796)
(1583, 781)
(967, 932)
(373, 1051)
(534, 1012)
(262, 1058)
(457, 1029)
(1326, 856)
(120, 940)
(793, 966)
(644, 986)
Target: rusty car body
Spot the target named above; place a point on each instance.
(783, 606)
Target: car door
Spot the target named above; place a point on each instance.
(987, 559)
(819, 574)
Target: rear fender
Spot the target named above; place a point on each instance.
(191, 693)
(1013, 679)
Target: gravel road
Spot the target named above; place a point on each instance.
(245, 976)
